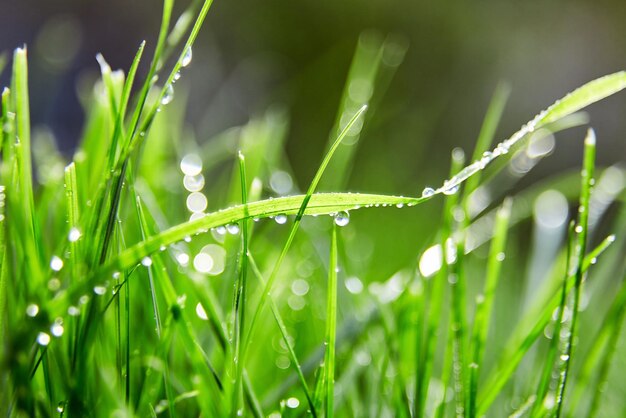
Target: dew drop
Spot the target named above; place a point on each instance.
(74, 234)
(578, 229)
(428, 192)
(61, 407)
(54, 284)
(191, 165)
(201, 312)
(220, 230)
(293, 403)
(564, 357)
(186, 60)
(281, 219)
(193, 183)
(100, 290)
(147, 261)
(451, 189)
(177, 76)
(196, 202)
(400, 205)
(342, 218)
(43, 339)
(73, 311)
(168, 96)
(32, 310)
(57, 328)
(203, 262)
(182, 258)
(232, 229)
(56, 263)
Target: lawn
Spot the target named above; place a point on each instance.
(153, 274)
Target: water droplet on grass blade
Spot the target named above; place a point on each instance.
(293, 403)
(342, 218)
(232, 229)
(168, 96)
(32, 310)
(281, 219)
(428, 192)
(99, 290)
(187, 57)
(147, 261)
(56, 263)
(201, 312)
(57, 328)
(74, 234)
(43, 339)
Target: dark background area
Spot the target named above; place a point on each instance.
(254, 54)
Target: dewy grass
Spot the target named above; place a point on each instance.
(110, 306)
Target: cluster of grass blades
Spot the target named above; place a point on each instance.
(110, 303)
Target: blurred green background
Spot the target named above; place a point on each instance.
(296, 55)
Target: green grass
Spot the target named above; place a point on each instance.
(114, 302)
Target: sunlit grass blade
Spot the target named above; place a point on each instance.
(555, 342)
(240, 295)
(453, 253)
(613, 324)
(435, 294)
(311, 399)
(484, 302)
(580, 98)
(331, 327)
(523, 337)
(31, 238)
(581, 229)
(73, 215)
(486, 136)
(360, 87)
(301, 211)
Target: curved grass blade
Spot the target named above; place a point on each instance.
(318, 204)
(294, 228)
(583, 96)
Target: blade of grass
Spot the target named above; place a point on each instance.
(294, 228)
(313, 405)
(484, 303)
(240, 296)
(615, 318)
(486, 136)
(435, 293)
(581, 229)
(583, 96)
(546, 376)
(331, 327)
(456, 279)
(31, 237)
(523, 338)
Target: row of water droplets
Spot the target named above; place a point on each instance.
(451, 185)
(168, 94)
